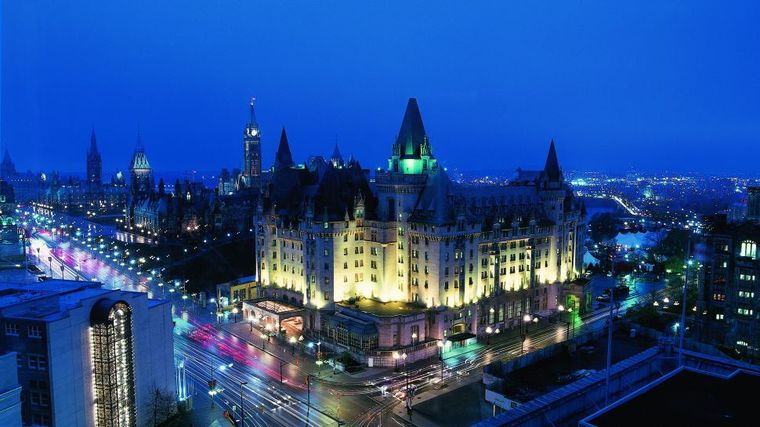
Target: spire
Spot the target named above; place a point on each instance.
(252, 120)
(93, 143)
(283, 158)
(412, 135)
(336, 159)
(552, 165)
(139, 147)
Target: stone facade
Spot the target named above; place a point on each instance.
(329, 232)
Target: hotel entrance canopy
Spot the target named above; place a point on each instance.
(275, 310)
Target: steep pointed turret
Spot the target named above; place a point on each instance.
(141, 173)
(336, 159)
(411, 136)
(283, 159)
(412, 153)
(551, 169)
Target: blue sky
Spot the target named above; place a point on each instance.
(655, 85)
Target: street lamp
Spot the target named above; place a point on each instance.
(50, 261)
(292, 346)
(263, 341)
(489, 331)
(524, 321)
(414, 338)
(234, 313)
(440, 356)
(395, 360)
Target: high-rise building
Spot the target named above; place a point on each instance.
(480, 256)
(251, 150)
(141, 174)
(729, 285)
(87, 356)
(753, 203)
(94, 167)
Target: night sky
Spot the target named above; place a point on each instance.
(652, 85)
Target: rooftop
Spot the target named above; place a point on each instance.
(385, 309)
(693, 398)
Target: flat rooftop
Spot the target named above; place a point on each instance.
(688, 397)
(385, 309)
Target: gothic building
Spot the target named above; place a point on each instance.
(329, 234)
(251, 174)
(94, 167)
(140, 173)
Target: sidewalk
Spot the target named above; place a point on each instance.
(202, 414)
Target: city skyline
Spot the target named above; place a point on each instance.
(537, 74)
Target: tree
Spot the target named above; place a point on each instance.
(603, 226)
(161, 406)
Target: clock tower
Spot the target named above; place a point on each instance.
(252, 149)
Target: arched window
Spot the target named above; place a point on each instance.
(748, 249)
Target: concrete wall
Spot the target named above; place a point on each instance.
(10, 391)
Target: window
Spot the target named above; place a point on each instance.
(373, 250)
(37, 361)
(744, 311)
(327, 252)
(718, 316)
(11, 329)
(748, 249)
(345, 251)
(35, 331)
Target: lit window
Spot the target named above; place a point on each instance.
(748, 249)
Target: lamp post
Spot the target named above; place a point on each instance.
(414, 338)
(234, 313)
(50, 263)
(440, 356)
(489, 331)
(300, 343)
(263, 341)
(395, 360)
(62, 270)
(292, 346)
(561, 309)
(242, 412)
(524, 331)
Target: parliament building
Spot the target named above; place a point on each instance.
(403, 258)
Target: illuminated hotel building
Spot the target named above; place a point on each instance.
(87, 356)
(329, 234)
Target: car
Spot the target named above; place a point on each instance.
(34, 270)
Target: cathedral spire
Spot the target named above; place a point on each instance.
(283, 158)
(552, 165)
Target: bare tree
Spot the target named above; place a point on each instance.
(161, 406)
